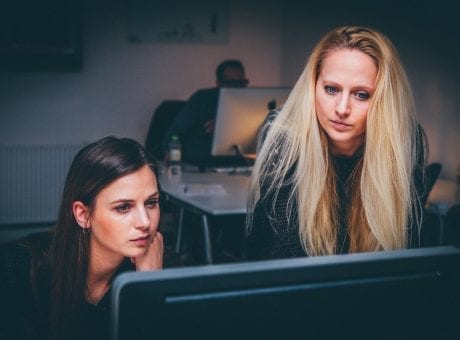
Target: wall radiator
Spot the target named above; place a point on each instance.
(31, 182)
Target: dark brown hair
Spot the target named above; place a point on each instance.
(95, 167)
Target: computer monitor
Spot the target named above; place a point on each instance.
(240, 113)
(382, 295)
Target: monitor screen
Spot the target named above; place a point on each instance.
(240, 113)
(383, 295)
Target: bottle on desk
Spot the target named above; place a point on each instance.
(175, 156)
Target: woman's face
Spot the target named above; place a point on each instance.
(125, 216)
(343, 93)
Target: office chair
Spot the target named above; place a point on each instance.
(433, 220)
(161, 121)
(453, 226)
(432, 172)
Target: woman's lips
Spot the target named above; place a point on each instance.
(141, 241)
(339, 125)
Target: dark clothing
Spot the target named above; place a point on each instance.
(189, 125)
(25, 294)
(273, 236)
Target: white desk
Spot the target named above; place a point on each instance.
(215, 194)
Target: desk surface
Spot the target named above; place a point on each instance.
(212, 193)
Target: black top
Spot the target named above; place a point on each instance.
(272, 235)
(25, 294)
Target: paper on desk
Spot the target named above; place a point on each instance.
(196, 189)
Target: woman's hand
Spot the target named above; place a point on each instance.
(153, 257)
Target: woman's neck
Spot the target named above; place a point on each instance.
(100, 273)
(346, 148)
(354, 152)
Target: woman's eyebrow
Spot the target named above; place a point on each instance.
(122, 200)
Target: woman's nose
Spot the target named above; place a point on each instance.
(343, 105)
(143, 219)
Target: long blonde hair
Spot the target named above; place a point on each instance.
(382, 184)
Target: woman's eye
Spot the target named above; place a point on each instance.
(122, 208)
(362, 95)
(152, 203)
(331, 89)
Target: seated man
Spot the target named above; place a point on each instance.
(194, 124)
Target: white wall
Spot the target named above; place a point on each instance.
(426, 35)
(122, 83)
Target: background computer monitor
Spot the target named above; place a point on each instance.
(240, 112)
(383, 295)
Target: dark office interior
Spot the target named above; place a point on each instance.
(101, 69)
(74, 71)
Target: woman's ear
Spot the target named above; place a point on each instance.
(81, 214)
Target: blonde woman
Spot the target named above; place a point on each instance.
(340, 166)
